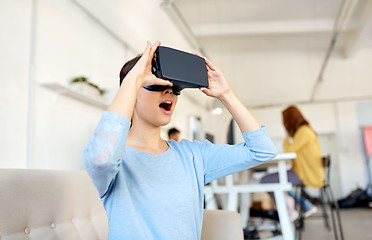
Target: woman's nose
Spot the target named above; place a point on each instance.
(168, 90)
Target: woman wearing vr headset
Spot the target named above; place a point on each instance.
(152, 188)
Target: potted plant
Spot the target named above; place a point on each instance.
(84, 86)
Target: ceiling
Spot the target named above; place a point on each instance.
(272, 51)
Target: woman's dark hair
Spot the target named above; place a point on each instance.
(293, 119)
(127, 67)
(173, 131)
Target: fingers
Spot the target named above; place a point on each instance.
(158, 81)
(154, 47)
(198, 54)
(210, 64)
(148, 47)
(151, 49)
(163, 82)
(209, 69)
(206, 91)
(210, 75)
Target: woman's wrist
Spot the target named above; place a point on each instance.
(226, 97)
(125, 99)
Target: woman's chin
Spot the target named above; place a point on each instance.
(160, 121)
(164, 122)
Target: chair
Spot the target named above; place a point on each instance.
(326, 198)
(60, 204)
(50, 204)
(221, 225)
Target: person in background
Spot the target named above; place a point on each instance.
(307, 168)
(152, 188)
(174, 134)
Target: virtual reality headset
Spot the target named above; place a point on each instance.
(183, 69)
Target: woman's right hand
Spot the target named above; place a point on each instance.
(139, 76)
(142, 70)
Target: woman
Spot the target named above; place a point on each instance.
(152, 188)
(307, 168)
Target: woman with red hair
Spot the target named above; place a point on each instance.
(307, 168)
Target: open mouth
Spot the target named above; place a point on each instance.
(166, 105)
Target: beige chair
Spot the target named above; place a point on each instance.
(52, 204)
(221, 225)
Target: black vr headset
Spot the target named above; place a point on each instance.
(183, 69)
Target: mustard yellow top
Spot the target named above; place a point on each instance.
(308, 163)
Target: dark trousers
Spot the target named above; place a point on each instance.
(292, 178)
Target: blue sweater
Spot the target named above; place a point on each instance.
(148, 196)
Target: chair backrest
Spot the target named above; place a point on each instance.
(221, 225)
(50, 204)
(326, 160)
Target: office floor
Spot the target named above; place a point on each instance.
(356, 223)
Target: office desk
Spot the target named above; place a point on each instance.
(246, 187)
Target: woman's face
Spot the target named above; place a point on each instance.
(155, 108)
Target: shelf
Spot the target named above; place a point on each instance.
(64, 90)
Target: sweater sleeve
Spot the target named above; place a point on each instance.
(223, 160)
(102, 156)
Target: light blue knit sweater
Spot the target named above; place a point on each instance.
(148, 196)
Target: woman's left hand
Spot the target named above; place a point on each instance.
(218, 85)
(219, 88)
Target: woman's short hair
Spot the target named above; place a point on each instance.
(173, 131)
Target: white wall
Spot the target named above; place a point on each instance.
(137, 21)
(15, 17)
(70, 43)
(364, 109)
(350, 147)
